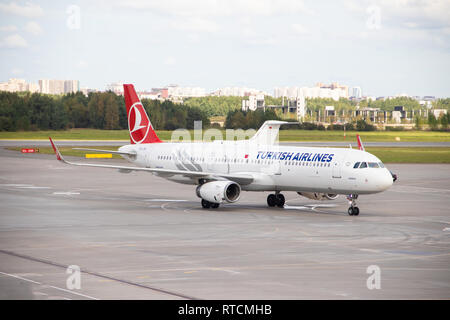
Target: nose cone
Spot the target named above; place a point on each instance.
(384, 181)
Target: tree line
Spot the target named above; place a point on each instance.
(106, 110)
(221, 106)
(99, 110)
(436, 124)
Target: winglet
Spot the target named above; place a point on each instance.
(55, 148)
(360, 145)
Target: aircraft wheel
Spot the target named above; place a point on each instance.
(206, 204)
(271, 200)
(280, 200)
(214, 205)
(355, 211)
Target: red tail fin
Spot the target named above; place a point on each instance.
(360, 145)
(141, 129)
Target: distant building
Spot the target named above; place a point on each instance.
(357, 92)
(86, 90)
(439, 112)
(71, 86)
(18, 85)
(372, 114)
(398, 114)
(116, 87)
(293, 106)
(426, 103)
(335, 86)
(174, 91)
(301, 107)
(163, 92)
(329, 111)
(51, 86)
(153, 95)
(237, 92)
(333, 91)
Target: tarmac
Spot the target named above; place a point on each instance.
(138, 236)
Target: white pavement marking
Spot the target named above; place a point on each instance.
(225, 270)
(39, 283)
(21, 278)
(323, 205)
(165, 200)
(65, 193)
(72, 292)
(22, 186)
(295, 207)
(33, 187)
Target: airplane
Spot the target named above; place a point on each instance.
(222, 169)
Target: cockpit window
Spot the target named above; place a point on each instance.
(363, 165)
(373, 165)
(381, 164)
(356, 165)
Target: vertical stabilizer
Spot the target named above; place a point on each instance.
(139, 125)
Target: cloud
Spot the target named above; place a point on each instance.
(170, 61)
(14, 41)
(16, 71)
(195, 24)
(193, 37)
(82, 64)
(10, 28)
(299, 29)
(33, 28)
(218, 8)
(407, 13)
(405, 21)
(28, 10)
(262, 40)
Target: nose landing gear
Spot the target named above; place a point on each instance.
(353, 210)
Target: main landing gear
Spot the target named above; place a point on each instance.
(276, 199)
(353, 210)
(207, 204)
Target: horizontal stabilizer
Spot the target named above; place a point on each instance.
(268, 133)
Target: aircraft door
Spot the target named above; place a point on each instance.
(337, 164)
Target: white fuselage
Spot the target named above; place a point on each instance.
(274, 167)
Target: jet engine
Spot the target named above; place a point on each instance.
(219, 191)
(318, 196)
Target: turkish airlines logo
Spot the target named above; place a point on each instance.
(138, 123)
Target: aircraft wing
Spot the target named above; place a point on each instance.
(237, 177)
(130, 154)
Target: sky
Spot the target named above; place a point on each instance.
(386, 47)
